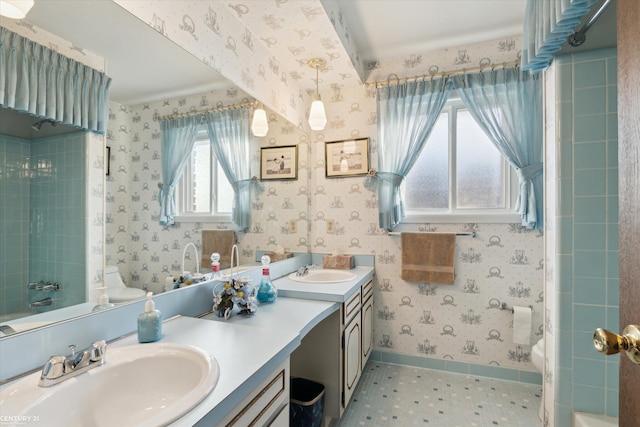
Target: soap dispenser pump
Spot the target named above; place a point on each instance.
(267, 292)
(103, 301)
(149, 322)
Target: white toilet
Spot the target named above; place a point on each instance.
(537, 358)
(117, 291)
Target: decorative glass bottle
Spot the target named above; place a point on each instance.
(215, 266)
(267, 292)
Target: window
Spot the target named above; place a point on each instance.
(204, 192)
(460, 176)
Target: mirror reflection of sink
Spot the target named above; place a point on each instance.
(324, 276)
(139, 385)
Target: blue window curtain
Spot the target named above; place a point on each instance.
(41, 82)
(231, 142)
(407, 113)
(507, 105)
(547, 24)
(177, 137)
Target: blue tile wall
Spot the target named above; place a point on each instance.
(587, 231)
(14, 223)
(42, 182)
(58, 215)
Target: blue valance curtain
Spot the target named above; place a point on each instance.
(407, 113)
(39, 81)
(231, 142)
(177, 137)
(507, 105)
(547, 25)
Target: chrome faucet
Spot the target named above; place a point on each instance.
(304, 270)
(41, 303)
(197, 274)
(60, 368)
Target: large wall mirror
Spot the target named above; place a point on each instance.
(144, 252)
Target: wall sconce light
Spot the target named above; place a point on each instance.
(259, 124)
(15, 9)
(317, 116)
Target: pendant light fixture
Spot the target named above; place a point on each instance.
(317, 116)
(259, 124)
(15, 9)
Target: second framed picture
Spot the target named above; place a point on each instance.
(347, 158)
(279, 162)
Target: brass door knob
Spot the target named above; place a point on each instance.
(607, 342)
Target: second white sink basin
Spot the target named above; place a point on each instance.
(139, 385)
(324, 276)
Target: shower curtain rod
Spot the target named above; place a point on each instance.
(480, 68)
(577, 38)
(206, 110)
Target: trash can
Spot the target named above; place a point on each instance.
(307, 403)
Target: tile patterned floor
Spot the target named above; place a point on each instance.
(393, 395)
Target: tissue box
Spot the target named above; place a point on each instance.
(338, 262)
(279, 257)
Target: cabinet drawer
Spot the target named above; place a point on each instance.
(259, 409)
(367, 291)
(282, 418)
(351, 307)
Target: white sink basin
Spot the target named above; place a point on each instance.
(324, 276)
(139, 385)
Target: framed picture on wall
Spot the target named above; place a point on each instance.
(279, 162)
(347, 158)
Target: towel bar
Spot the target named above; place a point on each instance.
(397, 233)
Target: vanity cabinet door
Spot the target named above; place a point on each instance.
(367, 329)
(352, 355)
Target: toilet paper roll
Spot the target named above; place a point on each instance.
(522, 325)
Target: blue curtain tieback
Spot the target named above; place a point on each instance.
(526, 202)
(529, 172)
(371, 181)
(165, 190)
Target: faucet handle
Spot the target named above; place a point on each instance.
(54, 368)
(98, 351)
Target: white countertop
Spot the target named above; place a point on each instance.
(285, 314)
(336, 292)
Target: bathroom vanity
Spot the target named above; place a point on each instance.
(335, 351)
(256, 354)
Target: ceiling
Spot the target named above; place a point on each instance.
(145, 66)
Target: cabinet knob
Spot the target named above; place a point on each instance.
(607, 342)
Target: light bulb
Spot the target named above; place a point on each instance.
(317, 116)
(259, 125)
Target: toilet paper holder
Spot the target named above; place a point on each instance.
(504, 306)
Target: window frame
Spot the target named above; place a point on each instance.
(453, 214)
(183, 189)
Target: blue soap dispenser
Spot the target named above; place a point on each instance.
(103, 301)
(149, 322)
(267, 292)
